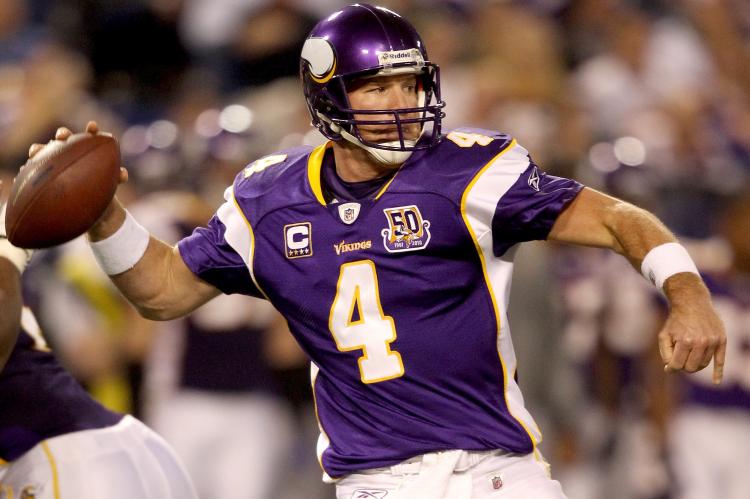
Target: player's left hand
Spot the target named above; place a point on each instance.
(693, 334)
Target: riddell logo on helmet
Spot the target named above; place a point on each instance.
(398, 56)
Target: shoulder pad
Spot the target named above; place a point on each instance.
(272, 170)
(466, 137)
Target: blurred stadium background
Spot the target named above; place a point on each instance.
(647, 100)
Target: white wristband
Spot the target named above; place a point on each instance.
(123, 249)
(664, 261)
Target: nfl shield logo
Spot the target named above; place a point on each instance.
(497, 482)
(348, 212)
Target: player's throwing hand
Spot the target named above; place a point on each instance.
(693, 334)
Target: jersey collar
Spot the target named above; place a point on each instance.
(314, 166)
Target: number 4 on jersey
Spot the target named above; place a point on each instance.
(467, 139)
(357, 322)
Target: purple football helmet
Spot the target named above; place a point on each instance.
(362, 41)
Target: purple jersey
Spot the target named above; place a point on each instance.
(399, 300)
(39, 399)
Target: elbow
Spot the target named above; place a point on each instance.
(160, 300)
(623, 220)
(158, 307)
(158, 313)
(620, 215)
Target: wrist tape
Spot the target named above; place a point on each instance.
(123, 249)
(664, 261)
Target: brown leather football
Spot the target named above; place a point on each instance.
(61, 191)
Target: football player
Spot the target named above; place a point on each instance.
(389, 250)
(56, 442)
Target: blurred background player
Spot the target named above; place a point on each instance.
(609, 402)
(709, 434)
(232, 368)
(212, 384)
(55, 441)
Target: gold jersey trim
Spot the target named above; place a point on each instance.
(487, 280)
(314, 167)
(53, 468)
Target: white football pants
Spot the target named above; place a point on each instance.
(455, 475)
(235, 446)
(125, 461)
(710, 451)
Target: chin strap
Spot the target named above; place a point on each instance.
(384, 156)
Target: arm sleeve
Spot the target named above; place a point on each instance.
(211, 253)
(528, 210)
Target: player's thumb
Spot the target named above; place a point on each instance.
(666, 346)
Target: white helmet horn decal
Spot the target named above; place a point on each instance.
(319, 54)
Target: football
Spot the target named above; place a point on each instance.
(62, 190)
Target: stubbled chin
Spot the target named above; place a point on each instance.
(391, 135)
(380, 139)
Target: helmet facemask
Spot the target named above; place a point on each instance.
(334, 116)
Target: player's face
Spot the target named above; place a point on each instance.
(385, 92)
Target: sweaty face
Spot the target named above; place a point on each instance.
(385, 92)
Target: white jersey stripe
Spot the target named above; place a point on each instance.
(238, 232)
(323, 441)
(478, 208)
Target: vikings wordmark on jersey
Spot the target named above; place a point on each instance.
(409, 339)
